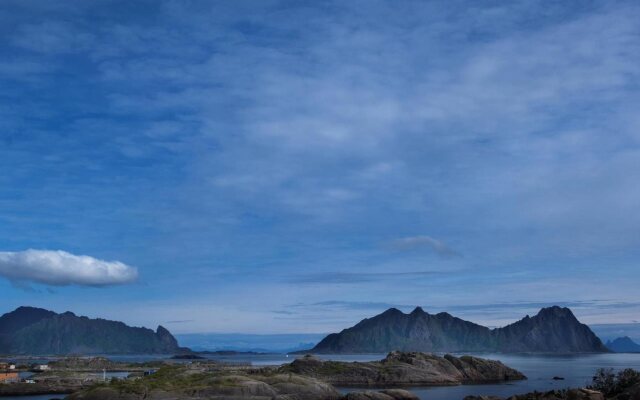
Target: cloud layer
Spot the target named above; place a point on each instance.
(269, 153)
(59, 268)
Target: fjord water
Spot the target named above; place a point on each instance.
(576, 369)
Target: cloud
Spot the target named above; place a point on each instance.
(357, 277)
(356, 305)
(519, 307)
(59, 268)
(420, 242)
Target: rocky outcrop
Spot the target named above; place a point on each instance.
(554, 329)
(405, 369)
(29, 330)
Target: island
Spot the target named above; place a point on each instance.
(398, 368)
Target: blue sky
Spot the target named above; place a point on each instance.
(278, 167)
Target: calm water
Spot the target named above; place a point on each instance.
(540, 369)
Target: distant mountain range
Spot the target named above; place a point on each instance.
(623, 345)
(29, 330)
(552, 330)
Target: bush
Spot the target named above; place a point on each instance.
(627, 378)
(604, 380)
(608, 382)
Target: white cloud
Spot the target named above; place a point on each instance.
(60, 268)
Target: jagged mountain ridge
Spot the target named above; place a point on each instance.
(29, 330)
(552, 330)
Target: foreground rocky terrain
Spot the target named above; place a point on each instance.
(182, 383)
(307, 378)
(405, 369)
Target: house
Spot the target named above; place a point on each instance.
(9, 377)
(40, 368)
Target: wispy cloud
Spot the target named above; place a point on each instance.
(354, 305)
(338, 277)
(419, 242)
(59, 268)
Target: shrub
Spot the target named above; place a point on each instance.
(608, 382)
(604, 380)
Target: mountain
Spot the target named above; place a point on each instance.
(553, 330)
(29, 330)
(623, 345)
(18, 319)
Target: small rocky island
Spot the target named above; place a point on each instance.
(400, 368)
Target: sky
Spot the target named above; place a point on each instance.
(276, 167)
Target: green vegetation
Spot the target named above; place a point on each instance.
(168, 377)
(176, 378)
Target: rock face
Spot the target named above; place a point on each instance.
(554, 329)
(405, 369)
(30, 330)
(623, 345)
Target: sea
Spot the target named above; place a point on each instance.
(576, 370)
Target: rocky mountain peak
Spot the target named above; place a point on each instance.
(556, 312)
(393, 312)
